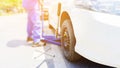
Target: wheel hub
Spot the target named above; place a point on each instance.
(66, 39)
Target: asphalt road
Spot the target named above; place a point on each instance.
(16, 53)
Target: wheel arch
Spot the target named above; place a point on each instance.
(64, 16)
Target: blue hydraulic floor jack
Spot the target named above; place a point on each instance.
(48, 38)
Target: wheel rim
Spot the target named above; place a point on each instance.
(66, 40)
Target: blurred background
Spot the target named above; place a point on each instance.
(8, 7)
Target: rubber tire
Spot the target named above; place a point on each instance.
(69, 54)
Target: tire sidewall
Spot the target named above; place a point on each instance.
(67, 25)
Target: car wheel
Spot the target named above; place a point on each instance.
(68, 41)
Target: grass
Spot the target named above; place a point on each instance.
(10, 7)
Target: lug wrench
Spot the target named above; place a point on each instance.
(44, 53)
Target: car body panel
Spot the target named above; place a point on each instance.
(98, 37)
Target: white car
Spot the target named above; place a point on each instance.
(90, 28)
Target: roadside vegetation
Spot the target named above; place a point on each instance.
(8, 7)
